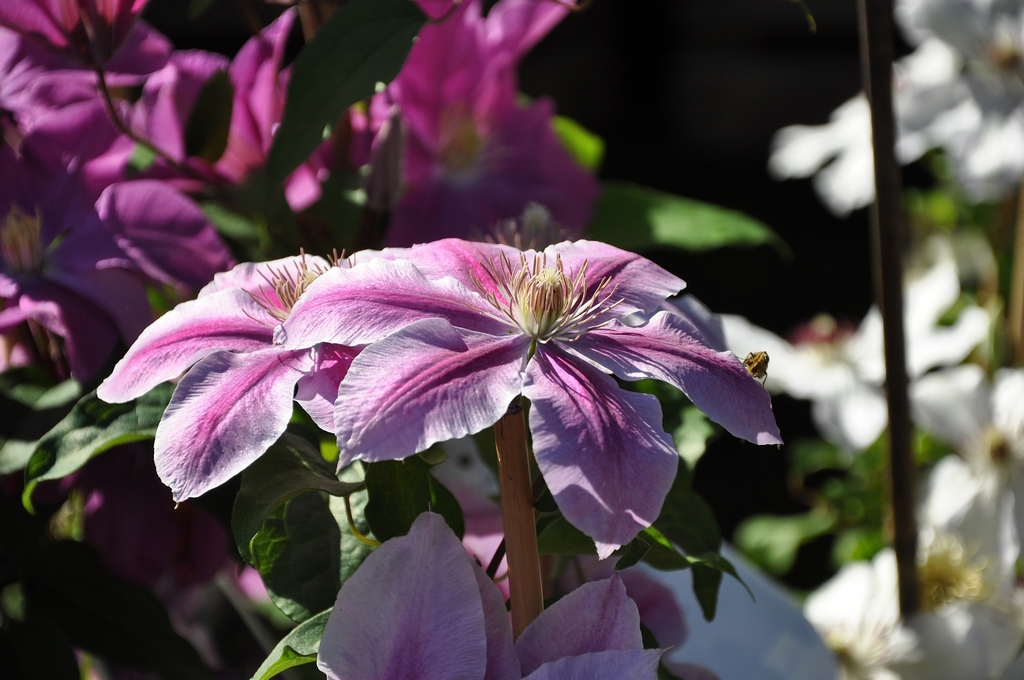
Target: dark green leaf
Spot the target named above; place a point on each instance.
(92, 427)
(558, 537)
(298, 552)
(364, 43)
(586, 147)
(197, 7)
(206, 132)
(638, 218)
(37, 649)
(399, 491)
(633, 553)
(290, 467)
(29, 386)
(661, 554)
(296, 648)
(772, 541)
(117, 621)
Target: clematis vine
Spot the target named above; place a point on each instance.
(841, 369)
(419, 607)
(472, 156)
(235, 398)
(460, 329)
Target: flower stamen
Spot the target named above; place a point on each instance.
(21, 241)
(286, 286)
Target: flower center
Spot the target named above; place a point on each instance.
(997, 447)
(20, 241)
(545, 302)
(460, 141)
(947, 574)
(285, 286)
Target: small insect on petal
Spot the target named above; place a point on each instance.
(756, 364)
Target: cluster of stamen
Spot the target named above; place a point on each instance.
(21, 241)
(286, 285)
(545, 302)
(948, 573)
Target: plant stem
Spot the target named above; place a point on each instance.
(887, 236)
(525, 590)
(1016, 311)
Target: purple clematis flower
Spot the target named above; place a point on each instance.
(420, 608)
(65, 285)
(472, 156)
(260, 85)
(468, 327)
(235, 399)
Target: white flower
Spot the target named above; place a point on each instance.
(841, 370)
(961, 89)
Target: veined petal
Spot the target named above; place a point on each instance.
(363, 304)
(595, 617)
(224, 415)
(635, 664)
(471, 263)
(601, 449)
(502, 662)
(426, 383)
(411, 610)
(317, 391)
(230, 319)
(640, 284)
(716, 382)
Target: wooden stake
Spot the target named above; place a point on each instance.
(887, 236)
(524, 580)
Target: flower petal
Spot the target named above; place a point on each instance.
(952, 404)
(424, 384)
(224, 415)
(231, 319)
(502, 662)
(640, 284)
(411, 610)
(317, 391)
(595, 617)
(601, 449)
(716, 382)
(636, 664)
(363, 304)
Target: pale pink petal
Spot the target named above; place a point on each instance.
(318, 389)
(255, 277)
(224, 415)
(412, 610)
(424, 384)
(658, 608)
(230, 320)
(363, 304)
(593, 618)
(666, 349)
(635, 664)
(502, 661)
(601, 449)
(640, 284)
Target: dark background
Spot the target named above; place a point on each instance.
(687, 95)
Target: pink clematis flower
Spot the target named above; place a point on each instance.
(471, 326)
(419, 607)
(260, 85)
(472, 156)
(91, 31)
(235, 399)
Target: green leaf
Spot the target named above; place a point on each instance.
(209, 121)
(120, 622)
(297, 552)
(691, 437)
(197, 7)
(399, 491)
(661, 554)
(14, 455)
(558, 537)
(634, 552)
(365, 42)
(29, 386)
(141, 159)
(230, 223)
(290, 467)
(772, 541)
(92, 427)
(586, 147)
(638, 218)
(298, 647)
